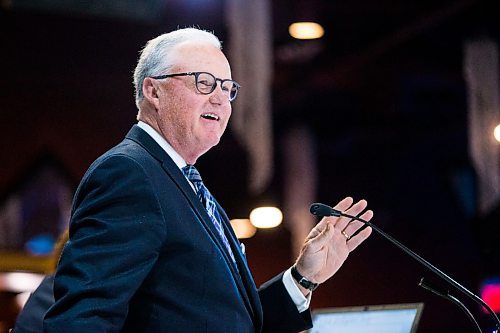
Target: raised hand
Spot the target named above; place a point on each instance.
(329, 243)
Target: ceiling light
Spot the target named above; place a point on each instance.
(306, 30)
(243, 228)
(266, 217)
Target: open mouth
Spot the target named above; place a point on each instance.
(210, 116)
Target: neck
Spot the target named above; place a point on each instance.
(188, 156)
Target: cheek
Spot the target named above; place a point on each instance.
(186, 102)
(224, 125)
(228, 117)
(175, 109)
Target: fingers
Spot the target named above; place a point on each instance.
(331, 240)
(353, 210)
(354, 242)
(352, 230)
(346, 229)
(357, 231)
(353, 226)
(344, 204)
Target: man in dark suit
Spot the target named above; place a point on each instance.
(150, 249)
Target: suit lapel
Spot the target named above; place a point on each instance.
(242, 278)
(245, 275)
(141, 137)
(240, 273)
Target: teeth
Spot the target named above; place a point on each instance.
(211, 116)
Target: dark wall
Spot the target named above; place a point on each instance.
(395, 134)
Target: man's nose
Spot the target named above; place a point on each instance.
(219, 96)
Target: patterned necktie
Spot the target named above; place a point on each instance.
(208, 201)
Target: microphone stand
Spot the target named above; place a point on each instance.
(321, 210)
(451, 298)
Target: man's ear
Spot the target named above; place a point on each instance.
(150, 91)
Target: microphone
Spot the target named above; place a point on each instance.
(320, 209)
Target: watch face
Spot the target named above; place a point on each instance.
(309, 285)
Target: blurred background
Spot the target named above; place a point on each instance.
(395, 102)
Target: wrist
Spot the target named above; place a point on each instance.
(303, 290)
(304, 284)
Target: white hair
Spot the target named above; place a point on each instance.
(154, 58)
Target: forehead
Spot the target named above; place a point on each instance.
(191, 57)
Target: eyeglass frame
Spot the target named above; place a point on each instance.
(196, 75)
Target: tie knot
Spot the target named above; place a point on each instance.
(191, 173)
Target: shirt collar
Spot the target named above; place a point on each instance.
(178, 160)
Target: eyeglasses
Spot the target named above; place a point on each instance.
(206, 83)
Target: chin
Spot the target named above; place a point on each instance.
(213, 140)
(206, 147)
(207, 141)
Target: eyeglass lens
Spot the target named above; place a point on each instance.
(206, 83)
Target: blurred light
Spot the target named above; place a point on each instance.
(490, 293)
(306, 30)
(42, 244)
(266, 217)
(19, 282)
(22, 298)
(298, 52)
(243, 228)
(496, 133)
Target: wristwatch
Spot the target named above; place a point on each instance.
(302, 280)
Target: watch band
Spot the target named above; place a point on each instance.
(302, 280)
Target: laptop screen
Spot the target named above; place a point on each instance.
(394, 318)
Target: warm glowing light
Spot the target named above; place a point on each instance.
(496, 133)
(306, 30)
(22, 298)
(20, 281)
(243, 228)
(266, 217)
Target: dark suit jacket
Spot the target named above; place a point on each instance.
(30, 320)
(144, 256)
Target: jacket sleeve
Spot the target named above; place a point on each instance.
(116, 233)
(30, 320)
(280, 313)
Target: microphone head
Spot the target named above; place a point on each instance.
(320, 209)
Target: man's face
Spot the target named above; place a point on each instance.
(190, 121)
